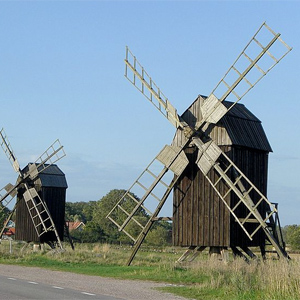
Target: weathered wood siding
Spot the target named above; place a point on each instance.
(200, 218)
(24, 228)
(51, 186)
(254, 164)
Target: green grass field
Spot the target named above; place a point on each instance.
(205, 278)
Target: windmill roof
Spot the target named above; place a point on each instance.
(240, 111)
(242, 126)
(52, 176)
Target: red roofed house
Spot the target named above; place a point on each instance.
(78, 225)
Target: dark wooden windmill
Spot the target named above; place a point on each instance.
(200, 219)
(219, 160)
(40, 190)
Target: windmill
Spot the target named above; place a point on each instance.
(264, 50)
(30, 206)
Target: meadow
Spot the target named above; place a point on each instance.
(205, 278)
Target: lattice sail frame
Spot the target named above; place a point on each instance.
(37, 208)
(154, 185)
(212, 110)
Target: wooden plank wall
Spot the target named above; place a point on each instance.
(199, 217)
(24, 228)
(55, 200)
(254, 164)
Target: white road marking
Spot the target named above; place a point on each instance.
(55, 287)
(89, 294)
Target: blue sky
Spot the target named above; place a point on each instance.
(62, 76)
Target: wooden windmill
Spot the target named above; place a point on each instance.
(34, 219)
(200, 165)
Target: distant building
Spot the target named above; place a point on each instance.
(78, 226)
(9, 231)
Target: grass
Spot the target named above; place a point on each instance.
(204, 279)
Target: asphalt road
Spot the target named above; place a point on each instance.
(20, 283)
(12, 288)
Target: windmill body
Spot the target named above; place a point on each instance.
(51, 186)
(38, 185)
(199, 217)
(225, 206)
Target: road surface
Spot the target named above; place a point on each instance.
(20, 283)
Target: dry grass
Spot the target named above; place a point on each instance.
(269, 280)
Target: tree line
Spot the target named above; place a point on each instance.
(99, 229)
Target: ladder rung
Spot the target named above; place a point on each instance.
(248, 191)
(235, 207)
(258, 227)
(227, 85)
(48, 218)
(258, 43)
(138, 223)
(138, 202)
(161, 181)
(248, 220)
(247, 217)
(151, 173)
(129, 235)
(135, 200)
(128, 214)
(123, 210)
(146, 189)
(258, 203)
(237, 179)
(112, 220)
(261, 70)
(226, 194)
(229, 166)
(247, 81)
(218, 180)
(236, 70)
(141, 185)
(39, 213)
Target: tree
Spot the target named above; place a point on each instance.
(160, 234)
(100, 229)
(4, 213)
(90, 234)
(88, 210)
(79, 211)
(104, 206)
(292, 234)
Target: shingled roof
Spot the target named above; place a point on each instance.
(238, 127)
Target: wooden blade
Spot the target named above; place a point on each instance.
(54, 153)
(8, 191)
(265, 50)
(137, 75)
(5, 144)
(211, 157)
(151, 185)
(39, 213)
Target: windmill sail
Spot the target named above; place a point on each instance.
(37, 208)
(238, 81)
